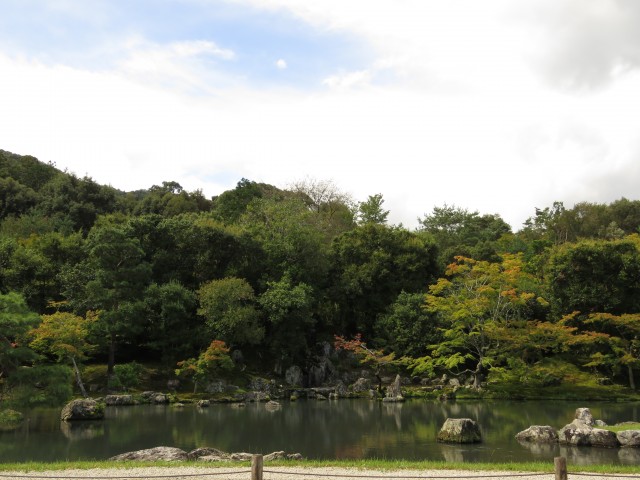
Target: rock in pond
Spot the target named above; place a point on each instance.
(603, 438)
(585, 416)
(576, 433)
(459, 430)
(203, 403)
(629, 438)
(157, 453)
(82, 409)
(538, 434)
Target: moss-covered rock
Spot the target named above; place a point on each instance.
(10, 420)
(459, 430)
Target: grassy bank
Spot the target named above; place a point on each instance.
(370, 464)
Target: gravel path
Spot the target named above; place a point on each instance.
(284, 473)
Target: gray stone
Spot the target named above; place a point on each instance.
(576, 433)
(82, 409)
(361, 385)
(241, 457)
(629, 438)
(393, 390)
(341, 390)
(454, 382)
(118, 400)
(203, 403)
(217, 386)
(282, 456)
(600, 423)
(158, 453)
(293, 376)
(319, 396)
(459, 430)
(160, 398)
(198, 453)
(538, 434)
(603, 438)
(584, 415)
(272, 405)
(173, 384)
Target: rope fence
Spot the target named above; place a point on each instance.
(257, 473)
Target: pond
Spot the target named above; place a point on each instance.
(343, 429)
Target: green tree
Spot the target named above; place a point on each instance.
(214, 361)
(229, 309)
(623, 332)
(595, 276)
(15, 321)
(372, 264)
(407, 327)
(112, 281)
(459, 232)
(289, 314)
(64, 336)
(371, 210)
(475, 300)
(172, 328)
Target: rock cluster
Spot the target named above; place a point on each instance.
(205, 454)
(582, 431)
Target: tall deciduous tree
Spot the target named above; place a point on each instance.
(112, 281)
(64, 335)
(475, 299)
(229, 308)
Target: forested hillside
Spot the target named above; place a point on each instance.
(90, 274)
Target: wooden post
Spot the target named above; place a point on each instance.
(256, 467)
(560, 464)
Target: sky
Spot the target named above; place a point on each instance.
(493, 106)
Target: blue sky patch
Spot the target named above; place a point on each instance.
(91, 34)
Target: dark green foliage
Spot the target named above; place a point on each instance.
(15, 321)
(458, 232)
(594, 276)
(408, 327)
(42, 385)
(372, 264)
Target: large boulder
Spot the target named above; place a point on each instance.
(459, 430)
(585, 416)
(82, 409)
(576, 433)
(603, 438)
(151, 454)
(629, 438)
(538, 434)
(282, 456)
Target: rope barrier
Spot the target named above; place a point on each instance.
(130, 477)
(307, 474)
(607, 475)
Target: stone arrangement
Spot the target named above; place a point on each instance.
(582, 431)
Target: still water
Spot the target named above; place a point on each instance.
(324, 430)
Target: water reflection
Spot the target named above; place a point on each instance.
(337, 429)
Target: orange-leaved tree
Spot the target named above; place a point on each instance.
(376, 359)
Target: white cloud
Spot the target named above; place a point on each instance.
(451, 110)
(281, 64)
